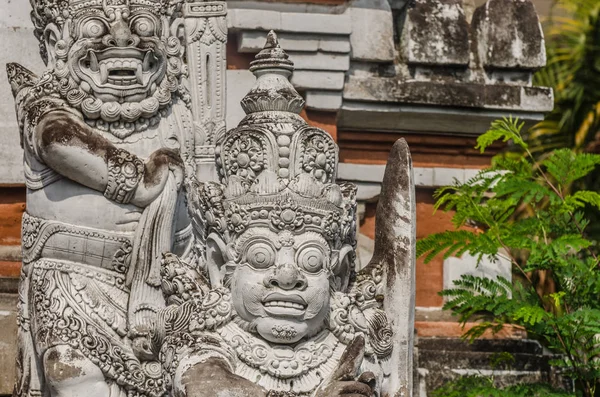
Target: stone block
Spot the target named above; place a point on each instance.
(372, 37)
(454, 268)
(239, 82)
(320, 61)
(316, 23)
(324, 100)
(314, 79)
(253, 41)
(436, 33)
(508, 35)
(255, 19)
(334, 44)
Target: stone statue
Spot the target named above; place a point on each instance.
(108, 136)
(273, 305)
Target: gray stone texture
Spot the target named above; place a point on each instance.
(252, 41)
(8, 341)
(324, 100)
(436, 33)
(508, 35)
(443, 359)
(372, 36)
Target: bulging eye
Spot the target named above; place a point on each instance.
(260, 255)
(311, 259)
(144, 27)
(93, 28)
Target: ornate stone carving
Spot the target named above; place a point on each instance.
(108, 135)
(272, 305)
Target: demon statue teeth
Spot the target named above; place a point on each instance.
(107, 137)
(274, 305)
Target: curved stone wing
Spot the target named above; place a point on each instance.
(395, 239)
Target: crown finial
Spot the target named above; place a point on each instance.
(272, 90)
(272, 56)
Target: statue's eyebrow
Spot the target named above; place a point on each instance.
(298, 242)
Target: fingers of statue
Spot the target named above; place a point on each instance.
(368, 378)
(142, 348)
(350, 388)
(351, 360)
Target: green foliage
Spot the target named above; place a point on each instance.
(480, 386)
(573, 72)
(548, 237)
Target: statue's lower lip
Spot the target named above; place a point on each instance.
(274, 308)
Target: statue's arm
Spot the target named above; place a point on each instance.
(73, 149)
(213, 377)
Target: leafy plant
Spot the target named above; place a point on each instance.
(482, 386)
(551, 240)
(573, 72)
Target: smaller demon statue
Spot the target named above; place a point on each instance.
(275, 306)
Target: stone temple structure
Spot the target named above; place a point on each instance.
(370, 72)
(147, 273)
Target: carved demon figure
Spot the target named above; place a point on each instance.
(107, 138)
(275, 306)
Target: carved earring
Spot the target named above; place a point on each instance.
(216, 257)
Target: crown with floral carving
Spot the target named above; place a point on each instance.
(275, 170)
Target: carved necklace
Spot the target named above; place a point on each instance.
(281, 367)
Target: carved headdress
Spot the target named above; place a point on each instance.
(275, 170)
(44, 12)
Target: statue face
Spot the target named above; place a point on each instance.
(280, 283)
(118, 55)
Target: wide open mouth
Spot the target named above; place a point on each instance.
(283, 305)
(120, 68)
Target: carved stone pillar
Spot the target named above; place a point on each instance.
(206, 38)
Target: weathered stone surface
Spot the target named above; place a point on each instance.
(508, 35)
(252, 19)
(444, 359)
(390, 117)
(321, 61)
(372, 37)
(8, 342)
(252, 41)
(239, 83)
(320, 80)
(470, 95)
(323, 100)
(436, 33)
(371, 175)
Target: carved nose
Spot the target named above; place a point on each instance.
(286, 277)
(121, 36)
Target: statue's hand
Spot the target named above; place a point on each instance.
(142, 348)
(343, 382)
(156, 172)
(213, 378)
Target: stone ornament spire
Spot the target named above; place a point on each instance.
(273, 90)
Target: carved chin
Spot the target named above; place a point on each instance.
(281, 331)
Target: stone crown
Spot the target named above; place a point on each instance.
(276, 169)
